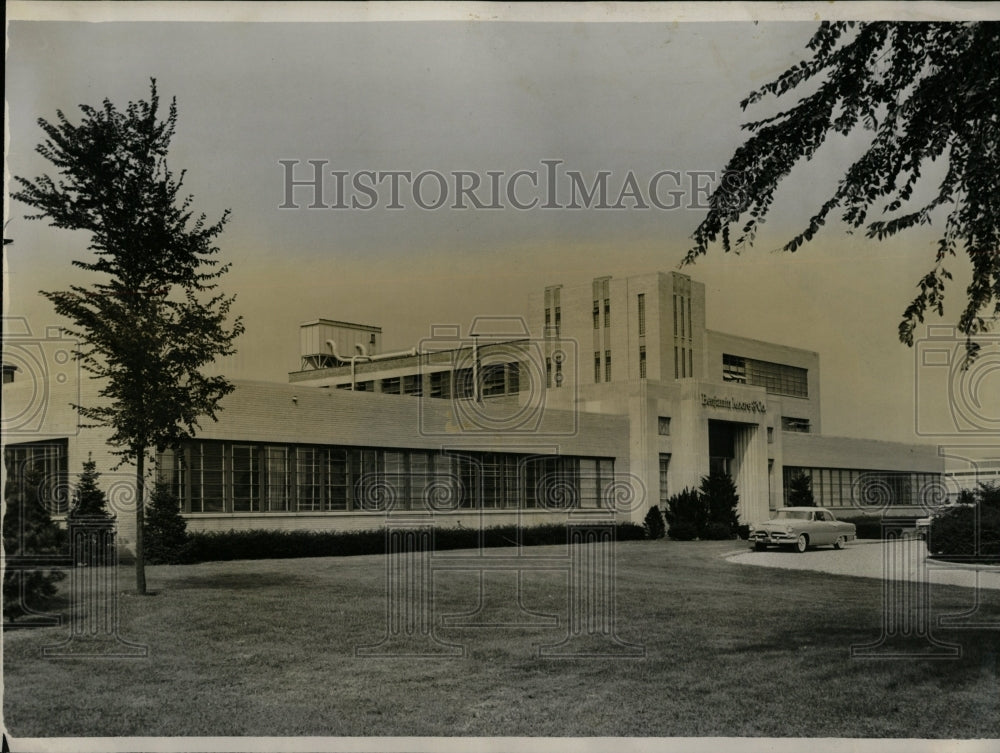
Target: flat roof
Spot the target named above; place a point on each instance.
(335, 323)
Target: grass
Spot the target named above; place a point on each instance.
(268, 648)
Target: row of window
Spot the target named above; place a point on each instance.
(211, 476)
(844, 487)
(597, 366)
(48, 462)
(776, 378)
(495, 380)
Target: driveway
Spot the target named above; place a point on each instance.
(902, 559)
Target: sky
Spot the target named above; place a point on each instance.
(479, 96)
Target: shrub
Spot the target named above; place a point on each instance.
(28, 530)
(653, 525)
(743, 531)
(90, 510)
(686, 515)
(270, 544)
(719, 498)
(953, 533)
(716, 531)
(165, 536)
(800, 491)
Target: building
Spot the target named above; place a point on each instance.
(610, 395)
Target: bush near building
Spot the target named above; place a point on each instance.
(270, 544)
(708, 513)
(686, 516)
(164, 529)
(28, 531)
(953, 532)
(800, 491)
(653, 524)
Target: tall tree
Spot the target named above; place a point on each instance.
(925, 91)
(153, 319)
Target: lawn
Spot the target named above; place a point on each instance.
(268, 648)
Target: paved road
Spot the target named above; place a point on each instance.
(902, 559)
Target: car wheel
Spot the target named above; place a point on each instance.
(758, 547)
(801, 543)
(840, 543)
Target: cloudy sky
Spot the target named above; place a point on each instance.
(479, 97)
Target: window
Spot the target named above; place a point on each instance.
(559, 374)
(513, 378)
(493, 380)
(441, 384)
(548, 372)
(278, 493)
(412, 385)
(49, 461)
(607, 366)
(734, 369)
(548, 319)
(338, 486)
(770, 435)
(391, 386)
(776, 378)
(642, 361)
(206, 478)
(558, 319)
(464, 388)
(677, 369)
(324, 479)
(664, 489)
(642, 313)
(597, 366)
(308, 479)
(607, 312)
(368, 386)
(597, 314)
(245, 479)
(371, 339)
(851, 487)
(663, 426)
(795, 424)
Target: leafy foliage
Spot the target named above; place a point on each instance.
(166, 530)
(969, 531)
(28, 530)
(800, 491)
(718, 492)
(925, 91)
(154, 320)
(686, 515)
(653, 523)
(267, 544)
(89, 501)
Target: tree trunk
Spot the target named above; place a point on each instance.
(140, 497)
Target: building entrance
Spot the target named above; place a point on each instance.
(721, 446)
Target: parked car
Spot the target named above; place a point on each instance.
(802, 527)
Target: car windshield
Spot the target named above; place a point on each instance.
(794, 515)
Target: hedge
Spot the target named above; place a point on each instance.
(873, 527)
(271, 544)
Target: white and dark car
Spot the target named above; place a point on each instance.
(801, 528)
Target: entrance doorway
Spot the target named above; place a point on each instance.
(721, 446)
